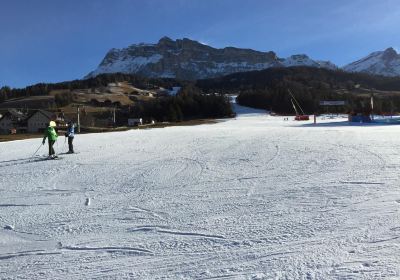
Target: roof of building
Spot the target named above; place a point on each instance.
(47, 114)
(15, 114)
(20, 116)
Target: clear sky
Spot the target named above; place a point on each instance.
(58, 40)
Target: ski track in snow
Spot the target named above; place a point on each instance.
(254, 197)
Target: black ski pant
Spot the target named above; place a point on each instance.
(51, 149)
(70, 145)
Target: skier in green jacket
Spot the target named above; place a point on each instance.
(51, 133)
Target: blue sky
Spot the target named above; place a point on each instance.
(58, 40)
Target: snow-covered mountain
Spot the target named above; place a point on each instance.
(304, 60)
(188, 59)
(386, 63)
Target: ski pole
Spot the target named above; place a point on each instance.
(57, 145)
(65, 141)
(37, 150)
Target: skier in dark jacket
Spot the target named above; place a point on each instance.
(50, 133)
(70, 134)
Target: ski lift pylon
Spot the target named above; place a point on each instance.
(299, 116)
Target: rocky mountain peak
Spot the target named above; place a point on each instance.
(190, 60)
(166, 42)
(390, 54)
(386, 63)
(165, 39)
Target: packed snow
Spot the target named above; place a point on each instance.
(255, 197)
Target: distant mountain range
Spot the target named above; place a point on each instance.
(386, 63)
(190, 60)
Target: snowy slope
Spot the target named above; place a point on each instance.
(386, 63)
(254, 197)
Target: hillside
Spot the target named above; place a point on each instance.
(99, 84)
(128, 96)
(268, 89)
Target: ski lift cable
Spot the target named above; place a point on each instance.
(294, 107)
(301, 109)
(295, 101)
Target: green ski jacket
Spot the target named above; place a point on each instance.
(51, 133)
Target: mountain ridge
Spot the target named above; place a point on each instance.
(188, 59)
(385, 63)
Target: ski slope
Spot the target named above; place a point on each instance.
(254, 197)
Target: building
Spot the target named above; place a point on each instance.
(13, 120)
(6, 123)
(135, 122)
(39, 120)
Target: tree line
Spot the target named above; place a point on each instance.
(269, 89)
(189, 104)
